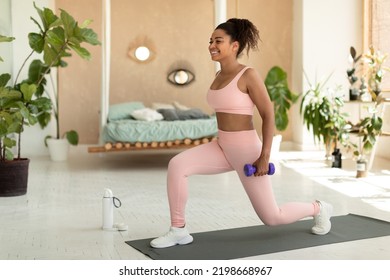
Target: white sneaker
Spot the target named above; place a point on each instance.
(175, 236)
(322, 220)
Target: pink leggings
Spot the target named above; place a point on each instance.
(231, 152)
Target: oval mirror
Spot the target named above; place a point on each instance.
(181, 77)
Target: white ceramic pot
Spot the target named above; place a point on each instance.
(276, 141)
(58, 149)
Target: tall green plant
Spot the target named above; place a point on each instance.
(57, 37)
(315, 108)
(280, 94)
(321, 111)
(24, 103)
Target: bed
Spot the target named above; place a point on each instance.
(133, 126)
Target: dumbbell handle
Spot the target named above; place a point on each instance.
(249, 169)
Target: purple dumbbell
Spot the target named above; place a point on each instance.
(249, 169)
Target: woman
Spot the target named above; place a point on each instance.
(234, 93)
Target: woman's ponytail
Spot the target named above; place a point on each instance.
(243, 31)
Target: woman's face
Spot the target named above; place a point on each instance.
(220, 45)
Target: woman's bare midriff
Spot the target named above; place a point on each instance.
(234, 122)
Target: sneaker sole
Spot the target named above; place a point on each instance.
(186, 240)
(314, 231)
(328, 228)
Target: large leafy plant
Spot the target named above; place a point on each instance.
(28, 103)
(280, 94)
(321, 111)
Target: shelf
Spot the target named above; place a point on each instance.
(383, 104)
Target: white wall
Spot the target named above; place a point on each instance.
(330, 28)
(382, 149)
(5, 30)
(324, 31)
(297, 68)
(21, 11)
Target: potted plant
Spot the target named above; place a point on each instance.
(18, 108)
(282, 98)
(337, 129)
(376, 70)
(368, 129)
(61, 39)
(59, 144)
(321, 111)
(24, 104)
(354, 91)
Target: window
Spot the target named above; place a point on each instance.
(377, 31)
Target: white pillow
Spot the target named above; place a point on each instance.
(147, 114)
(157, 105)
(123, 110)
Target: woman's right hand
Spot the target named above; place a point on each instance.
(262, 166)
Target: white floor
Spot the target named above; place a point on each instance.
(60, 217)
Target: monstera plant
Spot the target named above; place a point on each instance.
(280, 94)
(26, 103)
(282, 98)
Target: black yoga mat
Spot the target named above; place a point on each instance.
(257, 240)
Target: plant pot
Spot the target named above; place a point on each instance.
(353, 94)
(336, 158)
(361, 168)
(14, 177)
(330, 145)
(276, 141)
(58, 149)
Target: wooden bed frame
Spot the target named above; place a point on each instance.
(177, 144)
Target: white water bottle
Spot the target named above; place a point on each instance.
(108, 210)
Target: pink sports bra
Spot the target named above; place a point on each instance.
(230, 99)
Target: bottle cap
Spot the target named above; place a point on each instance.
(107, 193)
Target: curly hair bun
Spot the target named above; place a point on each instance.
(243, 31)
